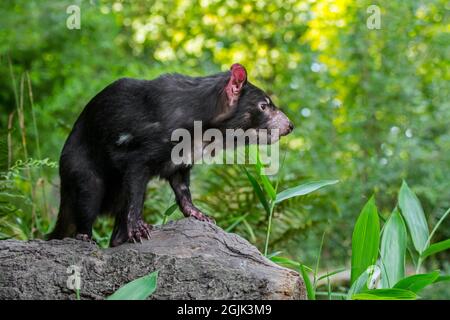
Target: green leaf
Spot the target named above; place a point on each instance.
(268, 187)
(258, 191)
(444, 278)
(360, 285)
(250, 231)
(385, 294)
(330, 274)
(435, 248)
(309, 288)
(415, 219)
(170, 210)
(417, 282)
(236, 222)
(303, 189)
(365, 240)
(264, 179)
(289, 262)
(393, 250)
(274, 254)
(138, 289)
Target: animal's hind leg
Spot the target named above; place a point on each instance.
(89, 191)
(129, 224)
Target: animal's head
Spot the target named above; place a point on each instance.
(245, 106)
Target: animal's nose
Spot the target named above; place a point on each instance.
(290, 127)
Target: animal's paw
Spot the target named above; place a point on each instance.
(85, 237)
(139, 231)
(197, 214)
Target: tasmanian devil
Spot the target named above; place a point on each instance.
(122, 138)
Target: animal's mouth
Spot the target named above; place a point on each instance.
(275, 135)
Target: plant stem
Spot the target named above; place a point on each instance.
(420, 260)
(436, 227)
(419, 264)
(269, 227)
(318, 261)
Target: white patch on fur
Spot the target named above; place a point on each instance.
(124, 138)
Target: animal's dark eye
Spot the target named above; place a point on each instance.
(263, 105)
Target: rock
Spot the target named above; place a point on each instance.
(196, 260)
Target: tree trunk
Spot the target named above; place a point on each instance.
(196, 260)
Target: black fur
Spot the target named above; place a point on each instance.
(122, 139)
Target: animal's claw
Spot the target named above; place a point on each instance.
(85, 237)
(201, 216)
(139, 232)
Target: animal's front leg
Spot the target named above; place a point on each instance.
(180, 185)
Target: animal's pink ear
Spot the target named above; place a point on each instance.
(237, 80)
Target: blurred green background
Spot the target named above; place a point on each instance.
(371, 107)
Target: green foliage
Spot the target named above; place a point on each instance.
(19, 196)
(393, 250)
(415, 218)
(138, 289)
(170, 210)
(370, 107)
(310, 291)
(365, 240)
(270, 198)
(435, 248)
(302, 189)
(386, 294)
(417, 282)
(365, 281)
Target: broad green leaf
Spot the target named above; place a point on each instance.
(436, 247)
(359, 285)
(417, 282)
(303, 189)
(385, 294)
(415, 219)
(258, 191)
(309, 288)
(138, 289)
(393, 250)
(365, 240)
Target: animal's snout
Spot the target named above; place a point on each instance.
(284, 124)
(290, 127)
